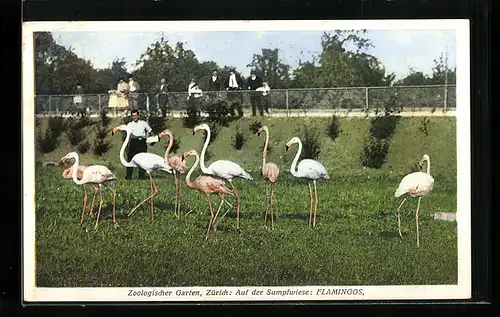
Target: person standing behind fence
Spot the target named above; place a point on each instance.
(253, 83)
(123, 95)
(266, 97)
(233, 84)
(163, 97)
(134, 92)
(140, 130)
(214, 84)
(78, 100)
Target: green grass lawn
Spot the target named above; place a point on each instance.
(355, 241)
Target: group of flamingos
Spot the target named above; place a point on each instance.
(416, 184)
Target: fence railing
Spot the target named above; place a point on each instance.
(284, 100)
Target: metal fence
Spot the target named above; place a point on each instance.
(289, 101)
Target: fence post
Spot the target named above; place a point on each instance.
(99, 102)
(147, 104)
(286, 97)
(366, 99)
(50, 104)
(445, 97)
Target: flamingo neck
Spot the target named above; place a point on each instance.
(428, 166)
(170, 144)
(75, 171)
(122, 150)
(294, 163)
(204, 169)
(188, 176)
(264, 154)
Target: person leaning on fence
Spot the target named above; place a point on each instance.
(122, 95)
(140, 131)
(253, 83)
(266, 97)
(233, 84)
(78, 100)
(134, 92)
(194, 97)
(163, 97)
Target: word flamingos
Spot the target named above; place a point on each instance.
(94, 174)
(416, 184)
(222, 168)
(309, 169)
(178, 165)
(270, 171)
(208, 185)
(147, 161)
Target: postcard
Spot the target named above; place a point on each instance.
(205, 161)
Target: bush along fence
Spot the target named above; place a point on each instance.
(288, 101)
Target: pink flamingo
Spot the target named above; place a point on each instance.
(96, 175)
(416, 184)
(68, 174)
(208, 185)
(178, 165)
(270, 171)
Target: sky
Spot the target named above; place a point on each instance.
(399, 50)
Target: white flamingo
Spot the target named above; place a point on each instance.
(416, 184)
(309, 169)
(95, 175)
(222, 168)
(147, 161)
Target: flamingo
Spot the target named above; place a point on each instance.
(222, 168)
(94, 174)
(270, 171)
(208, 185)
(178, 165)
(68, 174)
(309, 169)
(417, 184)
(147, 161)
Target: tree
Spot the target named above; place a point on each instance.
(272, 69)
(414, 78)
(441, 73)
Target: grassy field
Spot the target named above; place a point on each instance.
(355, 241)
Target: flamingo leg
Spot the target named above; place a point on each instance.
(155, 191)
(220, 206)
(93, 199)
(114, 205)
(142, 202)
(399, 216)
(416, 220)
(224, 215)
(239, 203)
(179, 200)
(176, 192)
(310, 204)
(84, 202)
(315, 203)
(150, 192)
(272, 209)
(267, 205)
(100, 205)
(211, 216)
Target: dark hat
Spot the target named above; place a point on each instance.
(130, 76)
(252, 72)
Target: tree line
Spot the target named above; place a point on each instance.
(58, 69)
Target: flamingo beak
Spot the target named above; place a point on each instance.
(258, 133)
(286, 147)
(194, 131)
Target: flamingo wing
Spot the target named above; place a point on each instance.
(151, 162)
(415, 184)
(228, 170)
(312, 169)
(97, 174)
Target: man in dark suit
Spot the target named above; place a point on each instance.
(162, 91)
(233, 84)
(253, 83)
(214, 85)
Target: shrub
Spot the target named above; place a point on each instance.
(383, 127)
(46, 141)
(218, 112)
(157, 124)
(57, 126)
(193, 117)
(374, 152)
(83, 147)
(424, 122)
(75, 135)
(311, 147)
(239, 139)
(333, 129)
(101, 145)
(105, 119)
(255, 126)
